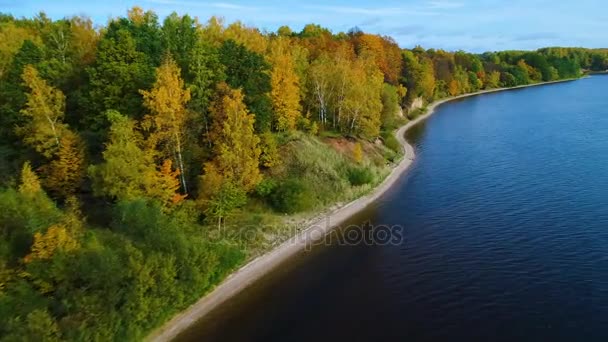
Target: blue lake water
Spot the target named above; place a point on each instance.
(504, 215)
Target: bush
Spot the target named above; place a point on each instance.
(416, 113)
(292, 196)
(265, 187)
(391, 142)
(360, 176)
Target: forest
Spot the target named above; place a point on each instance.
(143, 161)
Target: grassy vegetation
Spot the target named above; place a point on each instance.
(317, 173)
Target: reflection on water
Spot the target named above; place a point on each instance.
(504, 217)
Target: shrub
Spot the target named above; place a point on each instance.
(265, 187)
(360, 176)
(292, 196)
(392, 143)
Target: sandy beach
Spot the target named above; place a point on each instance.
(264, 264)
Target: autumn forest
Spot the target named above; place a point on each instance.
(143, 161)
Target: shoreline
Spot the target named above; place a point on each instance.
(322, 225)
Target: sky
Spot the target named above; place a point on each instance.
(470, 25)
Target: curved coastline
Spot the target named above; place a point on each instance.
(260, 266)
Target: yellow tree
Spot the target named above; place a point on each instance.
(358, 153)
(65, 172)
(454, 87)
(251, 37)
(167, 185)
(11, 39)
(30, 184)
(84, 39)
(285, 93)
(45, 110)
(493, 80)
(47, 134)
(427, 79)
(167, 119)
(362, 99)
(56, 237)
(234, 169)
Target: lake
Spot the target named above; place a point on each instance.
(504, 220)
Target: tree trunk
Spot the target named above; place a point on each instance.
(180, 162)
(54, 130)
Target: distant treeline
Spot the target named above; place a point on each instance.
(124, 148)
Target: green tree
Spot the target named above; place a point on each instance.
(205, 71)
(12, 91)
(390, 106)
(179, 37)
(227, 198)
(128, 172)
(249, 71)
(44, 110)
(120, 70)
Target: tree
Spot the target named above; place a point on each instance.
(249, 71)
(250, 37)
(321, 87)
(166, 185)
(12, 38)
(45, 110)
(30, 184)
(390, 106)
(84, 40)
(358, 153)
(284, 31)
(417, 76)
(179, 36)
(12, 90)
(65, 172)
(362, 100)
(166, 122)
(128, 171)
(37, 325)
(285, 93)
(236, 148)
(48, 135)
(269, 156)
(119, 72)
(385, 52)
(454, 88)
(205, 71)
(145, 30)
(227, 198)
(493, 80)
(56, 237)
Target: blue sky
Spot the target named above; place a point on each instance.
(472, 25)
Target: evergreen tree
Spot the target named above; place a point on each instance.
(249, 71)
